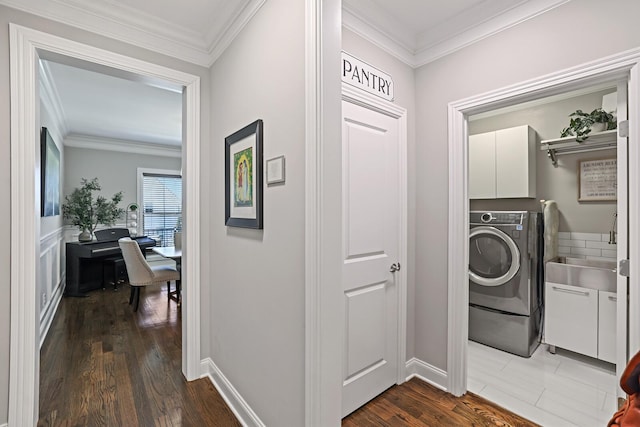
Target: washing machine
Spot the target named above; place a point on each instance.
(505, 280)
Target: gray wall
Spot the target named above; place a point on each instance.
(256, 303)
(115, 171)
(8, 15)
(554, 183)
(404, 80)
(539, 46)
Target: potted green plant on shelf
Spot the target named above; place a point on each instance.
(86, 211)
(581, 123)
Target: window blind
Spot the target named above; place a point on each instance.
(162, 206)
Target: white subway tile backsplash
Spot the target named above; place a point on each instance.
(589, 245)
(586, 236)
(586, 251)
(600, 258)
(601, 245)
(571, 243)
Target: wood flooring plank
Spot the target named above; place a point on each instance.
(418, 404)
(104, 365)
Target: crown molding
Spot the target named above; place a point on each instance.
(373, 34)
(51, 99)
(217, 45)
(504, 21)
(420, 54)
(121, 146)
(129, 25)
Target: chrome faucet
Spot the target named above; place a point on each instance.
(612, 233)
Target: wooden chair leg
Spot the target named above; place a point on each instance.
(132, 294)
(168, 291)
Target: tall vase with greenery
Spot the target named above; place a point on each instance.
(86, 211)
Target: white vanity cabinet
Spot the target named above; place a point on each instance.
(571, 318)
(582, 320)
(502, 164)
(607, 326)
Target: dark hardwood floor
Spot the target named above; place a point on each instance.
(418, 404)
(104, 365)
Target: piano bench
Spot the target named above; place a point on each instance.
(114, 272)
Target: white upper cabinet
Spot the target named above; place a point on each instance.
(502, 164)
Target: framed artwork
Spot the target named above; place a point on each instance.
(275, 170)
(243, 177)
(49, 175)
(597, 180)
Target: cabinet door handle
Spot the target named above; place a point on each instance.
(611, 298)
(570, 291)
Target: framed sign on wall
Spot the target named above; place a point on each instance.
(597, 180)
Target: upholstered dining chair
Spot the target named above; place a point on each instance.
(140, 272)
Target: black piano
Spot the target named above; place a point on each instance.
(86, 260)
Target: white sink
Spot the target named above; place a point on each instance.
(585, 273)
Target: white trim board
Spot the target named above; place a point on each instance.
(25, 46)
(230, 395)
(121, 146)
(426, 372)
(610, 69)
(323, 214)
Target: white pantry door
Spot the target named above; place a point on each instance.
(371, 236)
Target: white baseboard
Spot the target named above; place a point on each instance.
(426, 372)
(236, 403)
(50, 310)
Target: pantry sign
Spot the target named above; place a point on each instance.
(365, 77)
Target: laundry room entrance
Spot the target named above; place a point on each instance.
(543, 249)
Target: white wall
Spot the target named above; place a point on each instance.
(572, 34)
(554, 183)
(255, 328)
(8, 15)
(403, 77)
(115, 171)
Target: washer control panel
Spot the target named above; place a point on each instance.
(497, 218)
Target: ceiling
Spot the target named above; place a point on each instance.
(198, 31)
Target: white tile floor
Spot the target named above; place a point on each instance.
(554, 390)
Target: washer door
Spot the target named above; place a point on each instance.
(494, 258)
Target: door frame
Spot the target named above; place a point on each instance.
(365, 100)
(621, 66)
(25, 46)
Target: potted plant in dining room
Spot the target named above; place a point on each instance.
(86, 211)
(582, 124)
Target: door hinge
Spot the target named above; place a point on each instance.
(623, 269)
(623, 129)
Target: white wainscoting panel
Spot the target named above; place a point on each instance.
(52, 277)
(236, 403)
(426, 372)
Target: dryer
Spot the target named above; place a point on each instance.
(505, 290)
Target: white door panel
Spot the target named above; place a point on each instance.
(371, 143)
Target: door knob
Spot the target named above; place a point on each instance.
(395, 267)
